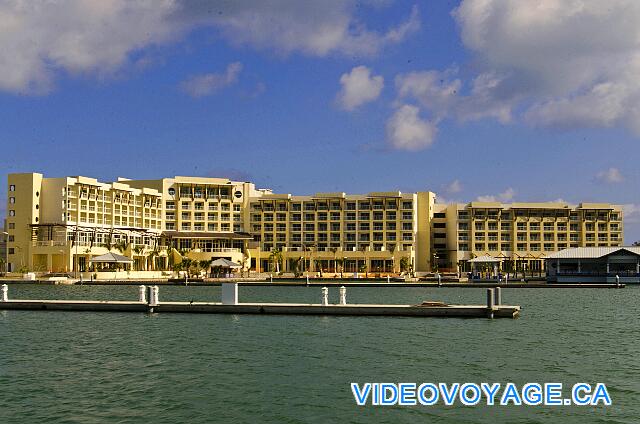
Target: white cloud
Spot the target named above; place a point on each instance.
(316, 28)
(407, 131)
(631, 213)
(39, 39)
(359, 87)
(454, 187)
(611, 176)
(207, 84)
(554, 63)
(505, 196)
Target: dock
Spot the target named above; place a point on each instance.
(148, 302)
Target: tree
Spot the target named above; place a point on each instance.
(363, 268)
(636, 243)
(121, 245)
(404, 264)
(334, 250)
(276, 260)
(205, 264)
(318, 266)
(185, 265)
(296, 266)
(341, 263)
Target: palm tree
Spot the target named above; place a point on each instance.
(341, 263)
(276, 258)
(205, 264)
(334, 250)
(404, 264)
(186, 265)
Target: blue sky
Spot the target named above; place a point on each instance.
(471, 99)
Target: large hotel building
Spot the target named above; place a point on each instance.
(59, 224)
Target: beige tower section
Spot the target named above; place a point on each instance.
(424, 210)
(23, 211)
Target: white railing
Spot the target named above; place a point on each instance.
(49, 243)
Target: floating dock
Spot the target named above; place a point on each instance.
(230, 305)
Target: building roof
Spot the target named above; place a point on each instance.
(591, 252)
(111, 258)
(225, 263)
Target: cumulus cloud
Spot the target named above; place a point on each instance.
(406, 130)
(631, 213)
(453, 187)
(207, 84)
(359, 87)
(611, 176)
(554, 63)
(40, 39)
(505, 196)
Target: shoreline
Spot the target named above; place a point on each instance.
(531, 284)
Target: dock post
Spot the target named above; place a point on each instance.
(388, 279)
(307, 279)
(229, 293)
(617, 280)
(343, 295)
(439, 279)
(490, 303)
(142, 294)
(153, 297)
(497, 296)
(325, 296)
(5, 290)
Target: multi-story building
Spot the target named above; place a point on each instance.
(59, 224)
(336, 232)
(521, 234)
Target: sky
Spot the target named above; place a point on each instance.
(472, 99)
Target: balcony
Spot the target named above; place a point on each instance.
(46, 243)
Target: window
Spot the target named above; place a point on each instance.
(440, 215)
(12, 200)
(12, 187)
(439, 225)
(12, 213)
(12, 226)
(11, 251)
(172, 191)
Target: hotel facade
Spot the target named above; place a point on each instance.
(60, 224)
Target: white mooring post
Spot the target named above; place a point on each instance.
(388, 279)
(490, 303)
(142, 294)
(153, 296)
(4, 297)
(343, 295)
(307, 279)
(229, 293)
(325, 296)
(439, 279)
(497, 298)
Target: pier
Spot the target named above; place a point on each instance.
(149, 302)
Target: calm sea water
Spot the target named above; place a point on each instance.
(170, 368)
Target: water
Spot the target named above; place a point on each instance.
(169, 368)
